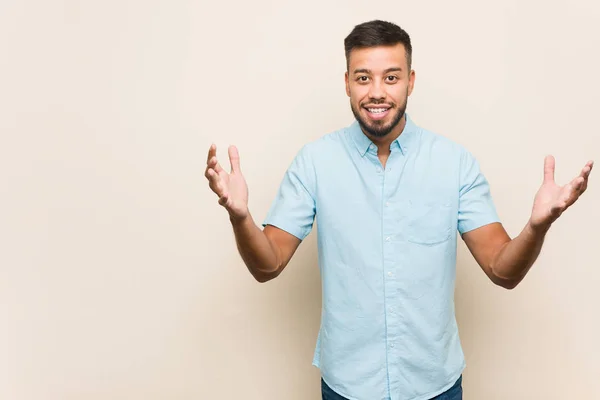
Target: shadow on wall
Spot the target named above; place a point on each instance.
(294, 311)
(259, 331)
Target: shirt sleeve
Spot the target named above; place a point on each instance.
(293, 209)
(476, 206)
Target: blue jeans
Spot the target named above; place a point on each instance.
(454, 393)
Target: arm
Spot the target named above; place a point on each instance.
(265, 252)
(506, 261)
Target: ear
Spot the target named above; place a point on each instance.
(411, 82)
(347, 84)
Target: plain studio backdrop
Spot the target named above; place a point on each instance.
(119, 274)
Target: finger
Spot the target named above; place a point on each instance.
(215, 182)
(549, 164)
(211, 176)
(214, 164)
(585, 182)
(234, 159)
(224, 200)
(585, 171)
(584, 174)
(212, 152)
(576, 184)
(574, 191)
(212, 159)
(589, 166)
(579, 184)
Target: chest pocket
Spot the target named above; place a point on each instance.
(429, 222)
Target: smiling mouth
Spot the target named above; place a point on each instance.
(377, 112)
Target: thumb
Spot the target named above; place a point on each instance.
(234, 159)
(549, 164)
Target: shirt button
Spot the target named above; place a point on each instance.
(390, 273)
(391, 309)
(387, 239)
(392, 345)
(378, 170)
(387, 203)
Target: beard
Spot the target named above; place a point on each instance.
(380, 128)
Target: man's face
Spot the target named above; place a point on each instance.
(378, 83)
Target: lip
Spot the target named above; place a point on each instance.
(380, 115)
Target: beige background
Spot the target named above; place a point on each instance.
(119, 276)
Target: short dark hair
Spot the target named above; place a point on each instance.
(377, 33)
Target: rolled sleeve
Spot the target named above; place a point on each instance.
(476, 206)
(293, 209)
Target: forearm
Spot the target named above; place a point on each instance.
(255, 248)
(516, 257)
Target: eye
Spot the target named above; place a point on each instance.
(362, 78)
(392, 78)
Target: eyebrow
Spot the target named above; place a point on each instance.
(368, 71)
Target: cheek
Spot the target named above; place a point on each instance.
(399, 93)
(358, 94)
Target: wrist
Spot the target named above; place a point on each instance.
(538, 228)
(237, 220)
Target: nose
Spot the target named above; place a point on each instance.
(376, 90)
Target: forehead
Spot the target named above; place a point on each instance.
(378, 58)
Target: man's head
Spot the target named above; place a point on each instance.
(379, 77)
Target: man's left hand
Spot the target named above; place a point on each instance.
(552, 200)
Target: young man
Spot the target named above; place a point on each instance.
(388, 196)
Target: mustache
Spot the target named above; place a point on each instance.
(377, 102)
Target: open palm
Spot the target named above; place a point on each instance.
(231, 188)
(552, 200)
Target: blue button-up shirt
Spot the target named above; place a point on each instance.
(387, 242)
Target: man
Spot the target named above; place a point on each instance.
(388, 197)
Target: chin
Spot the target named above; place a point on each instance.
(377, 129)
(380, 128)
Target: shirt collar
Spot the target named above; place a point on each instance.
(403, 142)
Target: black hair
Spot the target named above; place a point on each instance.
(377, 33)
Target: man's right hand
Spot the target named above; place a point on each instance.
(265, 252)
(231, 188)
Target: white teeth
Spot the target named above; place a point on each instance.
(377, 110)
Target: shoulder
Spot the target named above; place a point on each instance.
(316, 152)
(447, 154)
(326, 145)
(447, 149)
(442, 142)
